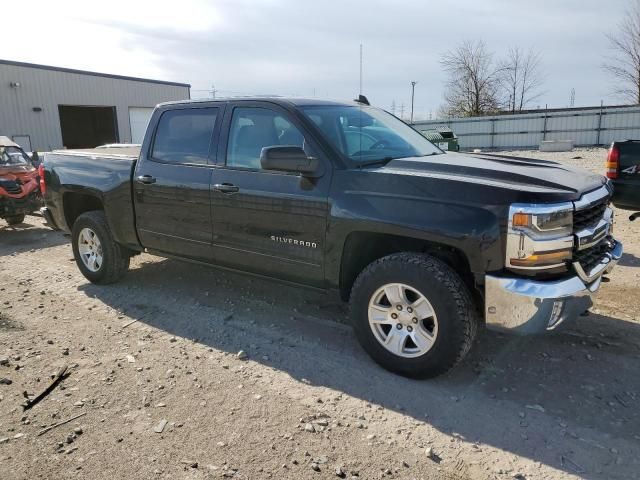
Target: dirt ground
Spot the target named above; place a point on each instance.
(168, 396)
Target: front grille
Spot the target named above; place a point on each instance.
(11, 186)
(590, 216)
(591, 257)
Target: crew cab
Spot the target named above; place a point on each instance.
(425, 245)
(623, 168)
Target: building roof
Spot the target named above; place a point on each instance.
(95, 74)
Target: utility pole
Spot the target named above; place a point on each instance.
(413, 90)
(402, 111)
(213, 91)
(393, 107)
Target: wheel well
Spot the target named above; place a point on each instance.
(75, 204)
(363, 248)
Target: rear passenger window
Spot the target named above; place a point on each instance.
(185, 136)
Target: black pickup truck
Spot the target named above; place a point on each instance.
(425, 245)
(623, 168)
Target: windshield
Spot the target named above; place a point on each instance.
(10, 156)
(368, 135)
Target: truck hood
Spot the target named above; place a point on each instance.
(17, 182)
(513, 173)
(13, 170)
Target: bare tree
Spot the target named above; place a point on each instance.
(624, 66)
(473, 81)
(520, 78)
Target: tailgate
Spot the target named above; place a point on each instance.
(629, 163)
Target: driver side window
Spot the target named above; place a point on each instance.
(252, 129)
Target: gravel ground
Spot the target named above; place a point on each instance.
(169, 396)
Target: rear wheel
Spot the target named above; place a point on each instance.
(413, 314)
(15, 219)
(99, 258)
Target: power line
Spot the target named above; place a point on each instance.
(572, 102)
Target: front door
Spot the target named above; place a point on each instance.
(267, 222)
(172, 183)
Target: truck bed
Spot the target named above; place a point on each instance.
(102, 175)
(129, 151)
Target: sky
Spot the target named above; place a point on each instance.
(311, 48)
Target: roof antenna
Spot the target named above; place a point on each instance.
(361, 98)
(360, 92)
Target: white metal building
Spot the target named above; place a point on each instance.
(45, 108)
(584, 126)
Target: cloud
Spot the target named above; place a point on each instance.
(307, 48)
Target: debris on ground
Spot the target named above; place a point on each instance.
(51, 427)
(159, 428)
(57, 378)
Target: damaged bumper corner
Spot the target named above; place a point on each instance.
(18, 206)
(525, 306)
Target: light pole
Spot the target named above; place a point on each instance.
(413, 90)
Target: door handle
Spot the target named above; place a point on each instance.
(226, 188)
(146, 179)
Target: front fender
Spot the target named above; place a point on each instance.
(474, 230)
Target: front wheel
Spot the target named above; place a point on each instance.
(99, 258)
(413, 314)
(15, 219)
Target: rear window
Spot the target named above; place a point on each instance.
(185, 136)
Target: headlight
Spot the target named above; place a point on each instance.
(544, 225)
(539, 237)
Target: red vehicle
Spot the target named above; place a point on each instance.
(19, 183)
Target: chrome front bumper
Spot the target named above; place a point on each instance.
(527, 306)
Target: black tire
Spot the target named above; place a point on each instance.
(444, 289)
(15, 219)
(115, 258)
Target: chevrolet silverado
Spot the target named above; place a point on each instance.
(426, 246)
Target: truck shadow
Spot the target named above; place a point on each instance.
(564, 400)
(28, 236)
(629, 260)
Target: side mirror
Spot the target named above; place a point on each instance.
(289, 158)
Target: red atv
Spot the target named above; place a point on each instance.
(19, 183)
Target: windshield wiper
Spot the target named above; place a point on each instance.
(380, 161)
(385, 160)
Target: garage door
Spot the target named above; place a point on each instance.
(139, 119)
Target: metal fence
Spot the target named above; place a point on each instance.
(589, 126)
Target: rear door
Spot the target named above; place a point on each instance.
(267, 222)
(172, 179)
